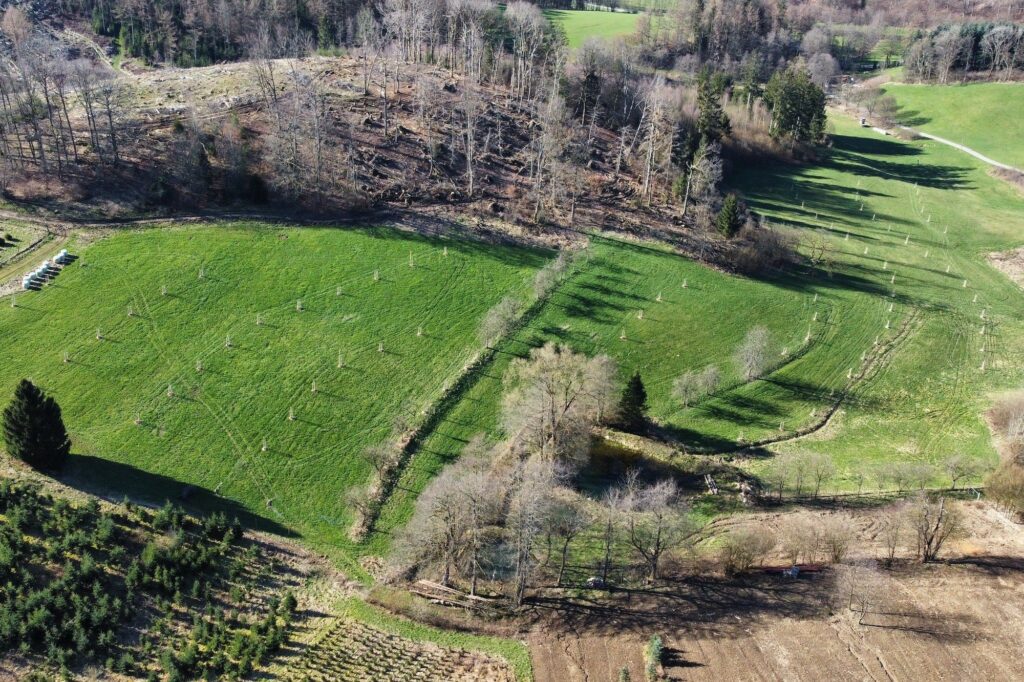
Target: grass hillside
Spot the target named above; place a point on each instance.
(926, 214)
(208, 385)
(580, 25)
(984, 116)
(923, 389)
(881, 318)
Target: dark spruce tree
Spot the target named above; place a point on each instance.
(34, 430)
(729, 218)
(633, 405)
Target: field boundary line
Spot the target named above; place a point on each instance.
(868, 370)
(442, 407)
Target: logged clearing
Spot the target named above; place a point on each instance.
(958, 621)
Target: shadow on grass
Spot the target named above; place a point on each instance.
(114, 481)
(911, 117)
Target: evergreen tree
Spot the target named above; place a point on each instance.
(633, 405)
(324, 39)
(712, 122)
(729, 218)
(797, 106)
(34, 430)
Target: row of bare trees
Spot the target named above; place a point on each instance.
(917, 528)
(801, 473)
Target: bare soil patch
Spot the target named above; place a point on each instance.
(1010, 263)
(956, 620)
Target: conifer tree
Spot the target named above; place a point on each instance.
(729, 220)
(34, 430)
(633, 405)
(712, 121)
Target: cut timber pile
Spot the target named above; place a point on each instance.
(440, 594)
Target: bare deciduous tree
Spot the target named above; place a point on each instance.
(752, 357)
(959, 467)
(529, 508)
(837, 533)
(933, 523)
(744, 548)
(822, 68)
(864, 586)
(893, 523)
(499, 320)
(656, 522)
(446, 530)
(799, 539)
(690, 387)
(567, 518)
(821, 469)
(556, 397)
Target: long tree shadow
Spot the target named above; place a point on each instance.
(114, 481)
(708, 603)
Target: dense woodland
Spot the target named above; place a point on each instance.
(995, 50)
(197, 32)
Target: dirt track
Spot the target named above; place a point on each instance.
(959, 621)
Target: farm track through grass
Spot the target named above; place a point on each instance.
(983, 116)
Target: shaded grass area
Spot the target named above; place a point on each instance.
(984, 116)
(919, 209)
(189, 397)
(926, 398)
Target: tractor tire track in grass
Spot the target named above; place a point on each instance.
(872, 367)
(242, 448)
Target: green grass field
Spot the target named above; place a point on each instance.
(911, 210)
(579, 25)
(984, 116)
(926, 400)
(210, 434)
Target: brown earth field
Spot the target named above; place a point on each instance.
(961, 619)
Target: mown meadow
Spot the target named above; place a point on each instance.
(247, 367)
(983, 116)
